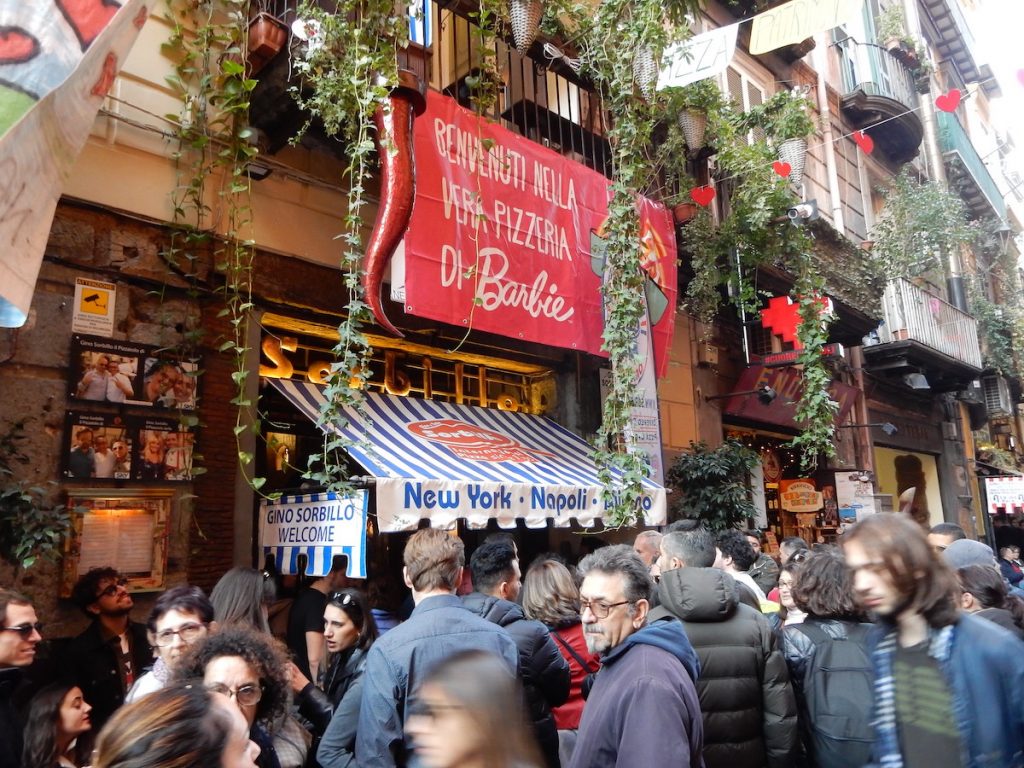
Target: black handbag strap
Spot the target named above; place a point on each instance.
(583, 665)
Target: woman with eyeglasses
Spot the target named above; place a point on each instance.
(349, 631)
(788, 575)
(180, 617)
(251, 669)
(180, 726)
(468, 713)
(57, 716)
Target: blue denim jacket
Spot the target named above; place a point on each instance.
(400, 659)
(984, 667)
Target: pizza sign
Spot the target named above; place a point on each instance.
(470, 441)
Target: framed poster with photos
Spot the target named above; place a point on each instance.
(122, 529)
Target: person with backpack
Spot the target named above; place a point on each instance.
(830, 665)
(747, 706)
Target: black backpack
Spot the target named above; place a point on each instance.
(838, 694)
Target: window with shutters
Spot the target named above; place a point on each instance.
(745, 92)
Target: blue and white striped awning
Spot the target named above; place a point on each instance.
(442, 462)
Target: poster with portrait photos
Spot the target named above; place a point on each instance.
(125, 373)
(98, 446)
(164, 450)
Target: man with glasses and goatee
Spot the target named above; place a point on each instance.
(20, 633)
(643, 708)
(113, 652)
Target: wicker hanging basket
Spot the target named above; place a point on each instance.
(525, 17)
(645, 72)
(693, 125)
(794, 152)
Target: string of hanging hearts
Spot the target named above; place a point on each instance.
(946, 102)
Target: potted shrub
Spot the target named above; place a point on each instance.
(712, 484)
(691, 105)
(892, 33)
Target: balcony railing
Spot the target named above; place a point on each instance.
(911, 313)
(956, 144)
(873, 70)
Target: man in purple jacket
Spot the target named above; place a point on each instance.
(643, 707)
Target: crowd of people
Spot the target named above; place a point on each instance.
(895, 647)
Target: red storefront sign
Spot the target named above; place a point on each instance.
(782, 410)
(506, 237)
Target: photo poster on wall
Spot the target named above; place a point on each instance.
(104, 446)
(854, 497)
(126, 373)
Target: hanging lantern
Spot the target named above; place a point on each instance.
(525, 17)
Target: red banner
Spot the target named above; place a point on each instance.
(506, 237)
(789, 386)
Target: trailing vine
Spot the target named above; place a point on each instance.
(816, 410)
(347, 69)
(620, 43)
(214, 145)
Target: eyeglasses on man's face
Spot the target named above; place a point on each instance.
(187, 632)
(25, 630)
(599, 608)
(246, 695)
(111, 589)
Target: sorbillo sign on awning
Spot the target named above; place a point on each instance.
(442, 462)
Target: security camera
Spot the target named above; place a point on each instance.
(804, 211)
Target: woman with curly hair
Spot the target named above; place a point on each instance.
(830, 645)
(251, 669)
(550, 596)
(57, 716)
(180, 726)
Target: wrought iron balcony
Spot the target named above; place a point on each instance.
(979, 190)
(923, 333)
(879, 98)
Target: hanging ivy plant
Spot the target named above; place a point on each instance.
(214, 147)
(347, 69)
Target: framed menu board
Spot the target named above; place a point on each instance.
(123, 529)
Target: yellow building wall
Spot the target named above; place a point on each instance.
(676, 391)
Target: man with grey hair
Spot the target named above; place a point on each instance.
(646, 546)
(643, 707)
(748, 706)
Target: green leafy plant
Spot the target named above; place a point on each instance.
(921, 223)
(785, 115)
(712, 484)
(32, 526)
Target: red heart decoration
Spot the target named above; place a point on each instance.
(702, 195)
(865, 142)
(87, 17)
(949, 101)
(781, 168)
(17, 45)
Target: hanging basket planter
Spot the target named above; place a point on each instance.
(794, 152)
(645, 72)
(683, 212)
(267, 36)
(693, 125)
(525, 18)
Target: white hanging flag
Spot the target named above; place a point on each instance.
(58, 59)
(700, 57)
(798, 20)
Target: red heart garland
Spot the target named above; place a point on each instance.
(781, 168)
(702, 195)
(17, 45)
(865, 142)
(949, 101)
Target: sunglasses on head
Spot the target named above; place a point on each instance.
(344, 599)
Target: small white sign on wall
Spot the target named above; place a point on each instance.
(93, 312)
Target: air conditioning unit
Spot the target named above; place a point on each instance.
(997, 395)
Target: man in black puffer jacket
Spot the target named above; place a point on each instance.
(747, 703)
(545, 673)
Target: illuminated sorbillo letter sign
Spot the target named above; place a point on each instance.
(502, 237)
